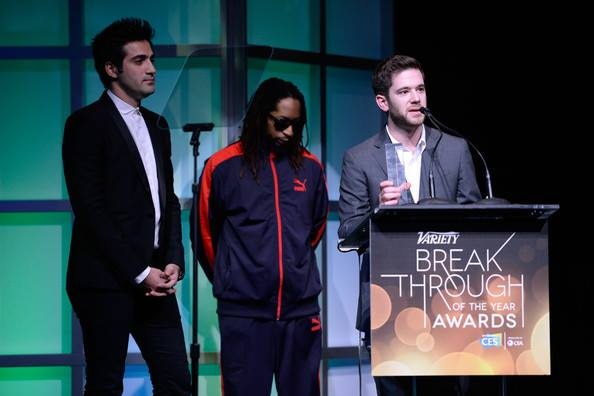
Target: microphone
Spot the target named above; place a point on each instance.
(432, 200)
(198, 127)
(489, 199)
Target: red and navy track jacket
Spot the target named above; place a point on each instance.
(257, 236)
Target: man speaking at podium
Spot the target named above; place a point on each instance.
(399, 87)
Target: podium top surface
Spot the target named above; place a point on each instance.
(359, 237)
(465, 211)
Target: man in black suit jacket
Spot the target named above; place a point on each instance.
(126, 255)
(399, 88)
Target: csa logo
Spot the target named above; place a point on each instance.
(492, 340)
(514, 342)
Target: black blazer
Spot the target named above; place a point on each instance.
(114, 217)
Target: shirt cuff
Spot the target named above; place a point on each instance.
(140, 278)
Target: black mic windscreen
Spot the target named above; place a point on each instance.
(200, 126)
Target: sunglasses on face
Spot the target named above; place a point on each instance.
(280, 124)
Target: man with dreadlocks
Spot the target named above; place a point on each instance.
(262, 210)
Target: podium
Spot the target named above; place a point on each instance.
(457, 289)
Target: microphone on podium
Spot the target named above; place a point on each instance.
(433, 200)
(489, 199)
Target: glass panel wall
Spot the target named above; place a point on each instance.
(175, 21)
(34, 310)
(32, 125)
(292, 24)
(33, 23)
(35, 381)
(359, 28)
(352, 116)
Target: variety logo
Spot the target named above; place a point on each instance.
(437, 238)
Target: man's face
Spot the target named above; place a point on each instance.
(283, 120)
(136, 79)
(405, 98)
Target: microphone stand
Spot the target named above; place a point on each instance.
(433, 200)
(195, 346)
(489, 199)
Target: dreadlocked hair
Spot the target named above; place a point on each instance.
(254, 135)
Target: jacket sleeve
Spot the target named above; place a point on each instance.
(203, 225)
(320, 210)
(354, 202)
(83, 155)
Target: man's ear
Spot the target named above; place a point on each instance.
(111, 70)
(382, 102)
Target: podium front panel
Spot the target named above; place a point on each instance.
(459, 299)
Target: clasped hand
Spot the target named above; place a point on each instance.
(161, 283)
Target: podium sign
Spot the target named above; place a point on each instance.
(460, 290)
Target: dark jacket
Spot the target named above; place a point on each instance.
(257, 236)
(114, 217)
(364, 167)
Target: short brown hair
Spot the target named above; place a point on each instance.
(382, 75)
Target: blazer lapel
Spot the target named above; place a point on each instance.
(158, 151)
(125, 133)
(379, 152)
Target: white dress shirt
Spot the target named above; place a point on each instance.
(412, 162)
(139, 131)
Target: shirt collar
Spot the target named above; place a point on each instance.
(421, 144)
(123, 107)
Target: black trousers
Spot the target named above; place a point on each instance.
(108, 317)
